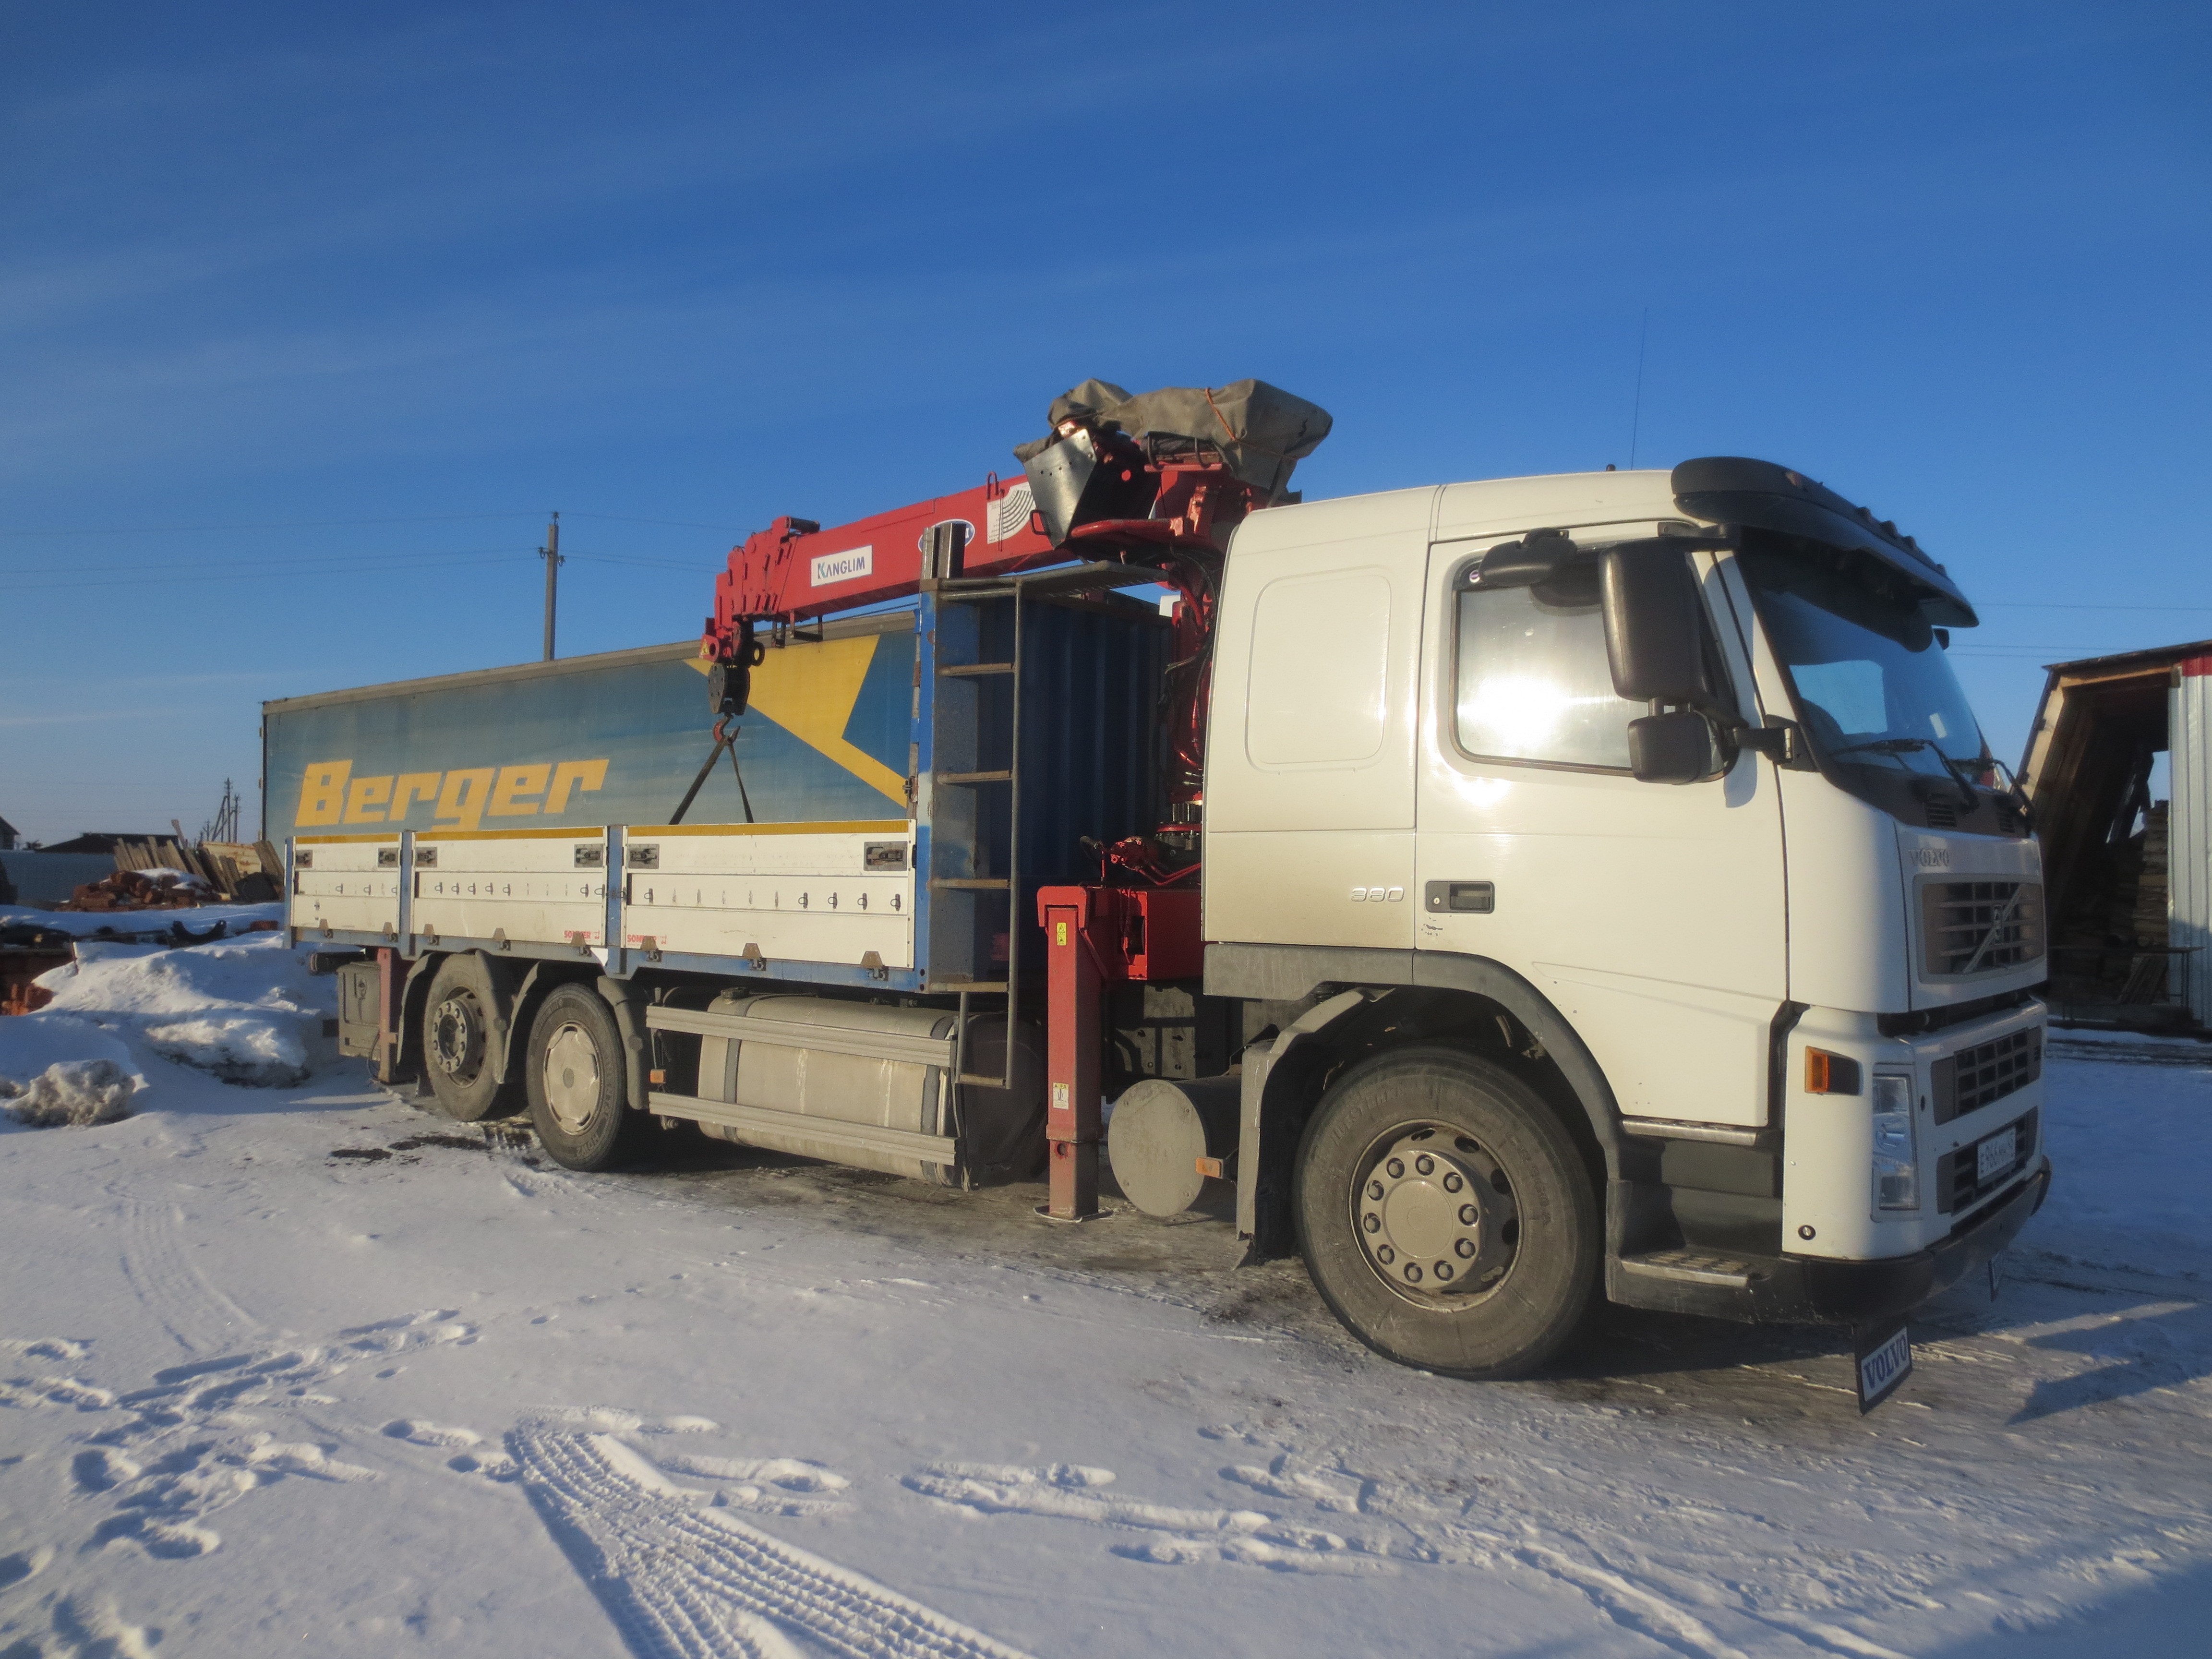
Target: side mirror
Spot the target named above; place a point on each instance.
(1655, 624)
(1681, 747)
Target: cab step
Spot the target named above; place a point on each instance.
(1692, 1267)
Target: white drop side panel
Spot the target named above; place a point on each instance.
(347, 884)
(794, 891)
(543, 886)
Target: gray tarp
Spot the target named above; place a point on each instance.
(1262, 431)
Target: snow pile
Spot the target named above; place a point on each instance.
(56, 1071)
(173, 885)
(2128, 1183)
(71, 1091)
(244, 1010)
(150, 925)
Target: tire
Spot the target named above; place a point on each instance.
(457, 1045)
(577, 1076)
(1402, 1151)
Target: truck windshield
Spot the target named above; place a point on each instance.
(1873, 687)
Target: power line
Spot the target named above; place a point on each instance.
(695, 567)
(289, 524)
(341, 524)
(677, 524)
(202, 579)
(285, 561)
(228, 570)
(2036, 604)
(2030, 645)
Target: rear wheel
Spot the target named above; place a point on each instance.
(1445, 1214)
(577, 1077)
(457, 1045)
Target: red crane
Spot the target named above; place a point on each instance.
(1156, 482)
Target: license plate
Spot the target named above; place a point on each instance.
(1996, 1155)
(1883, 1359)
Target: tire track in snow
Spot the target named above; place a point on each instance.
(1456, 1528)
(184, 1301)
(1067, 1491)
(681, 1582)
(1631, 1606)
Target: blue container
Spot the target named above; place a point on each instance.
(859, 725)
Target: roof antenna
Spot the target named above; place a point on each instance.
(1636, 420)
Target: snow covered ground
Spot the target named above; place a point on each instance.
(294, 1368)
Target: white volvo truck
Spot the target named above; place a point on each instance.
(1591, 885)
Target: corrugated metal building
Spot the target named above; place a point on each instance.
(2128, 879)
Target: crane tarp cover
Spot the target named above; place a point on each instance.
(1261, 430)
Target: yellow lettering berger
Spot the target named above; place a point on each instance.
(464, 798)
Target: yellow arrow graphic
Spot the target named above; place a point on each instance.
(810, 691)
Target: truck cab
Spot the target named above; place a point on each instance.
(1620, 847)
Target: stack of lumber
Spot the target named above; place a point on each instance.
(2146, 922)
(235, 871)
(156, 888)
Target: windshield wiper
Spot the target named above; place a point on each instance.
(2019, 791)
(1889, 746)
(1900, 746)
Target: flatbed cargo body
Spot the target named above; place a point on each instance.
(480, 811)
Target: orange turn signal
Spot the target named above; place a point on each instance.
(1830, 1074)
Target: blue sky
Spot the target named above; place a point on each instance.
(308, 315)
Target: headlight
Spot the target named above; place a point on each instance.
(1896, 1151)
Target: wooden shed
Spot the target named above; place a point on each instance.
(2127, 883)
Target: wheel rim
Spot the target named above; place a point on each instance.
(457, 1037)
(572, 1078)
(1435, 1215)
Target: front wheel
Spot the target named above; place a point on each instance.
(577, 1079)
(1445, 1214)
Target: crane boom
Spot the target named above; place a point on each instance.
(1118, 478)
(794, 569)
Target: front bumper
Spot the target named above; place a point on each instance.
(1815, 1291)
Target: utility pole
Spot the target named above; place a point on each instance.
(551, 553)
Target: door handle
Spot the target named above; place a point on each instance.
(1480, 896)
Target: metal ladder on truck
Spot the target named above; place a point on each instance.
(978, 877)
(972, 649)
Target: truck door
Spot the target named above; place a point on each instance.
(1651, 914)
(1310, 756)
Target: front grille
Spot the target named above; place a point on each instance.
(1957, 1183)
(1971, 1079)
(1980, 926)
(1942, 813)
